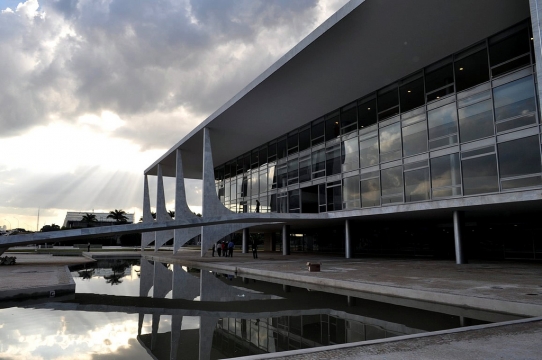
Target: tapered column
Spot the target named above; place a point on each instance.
(211, 204)
(146, 237)
(285, 239)
(246, 236)
(536, 22)
(182, 211)
(161, 212)
(460, 257)
(347, 239)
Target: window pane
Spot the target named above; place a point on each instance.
(293, 174)
(387, 101)
(317, 131)
(332, 126)
(471, 70)
(412, 95)
(445, 171)
(480, 175)
(304, 169)
(319, 163)
(392, 181)
(415, 139)
(390, 138)
(281, 149)
(417, 185)
(368, 152)
(272, 151)
(293, 198)
(370, 192)
(367, 113)
(334, 198)
(333, 160)
(516, 122)
(515, 98)
(350, 152)
(476, 121)
(292, 143)
(519, 157)
(349, 119)
(351, 192)
(304, 139)
(282, 174)
(262, 157)
(271, 177)
(263, 182)
(513, 46)
(442, 121)
(439, 78)
(255, 186)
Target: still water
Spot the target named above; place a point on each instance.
(127, 309)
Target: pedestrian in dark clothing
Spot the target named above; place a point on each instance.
(224, 253)
(254, 250)
(257, 206)
(219, 249)
(213, 248)
(230, 248)
(88, 247)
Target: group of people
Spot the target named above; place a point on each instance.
(223, 248)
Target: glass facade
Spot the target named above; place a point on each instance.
(466, 125)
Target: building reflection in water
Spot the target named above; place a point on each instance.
(277, 319)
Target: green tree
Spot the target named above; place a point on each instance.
(89, 219)
(53, 227)
(153, 216)
(118, 215)
(171, 213)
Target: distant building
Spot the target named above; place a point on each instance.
(74, 219)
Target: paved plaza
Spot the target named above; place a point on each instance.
(511, 287)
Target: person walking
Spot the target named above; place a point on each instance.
(230, 248)
(213, 249)
(219, 249)
(224, 251)
(88, 247)
(254, 249)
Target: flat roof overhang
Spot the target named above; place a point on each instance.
(366, 45)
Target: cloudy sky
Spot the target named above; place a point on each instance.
(93, 91)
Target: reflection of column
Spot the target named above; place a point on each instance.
(163, 278)
(146, 237)
(176, 326)
(347, 239)
(285, 239)
(161, 212)
(245, 240)
(460, 257)
(182, 211)
(154, 334)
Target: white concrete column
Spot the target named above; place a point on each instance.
(536, 22)
(182, 211)
(285, 239)
(161, 212)
(246, 236)
(146, 237)
(460, 257)
(347, 239)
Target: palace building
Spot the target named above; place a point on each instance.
(411, 127)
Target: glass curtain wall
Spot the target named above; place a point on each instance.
(465, 125)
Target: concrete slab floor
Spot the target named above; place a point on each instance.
(510, 287)
(36, 275)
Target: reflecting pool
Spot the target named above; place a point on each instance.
(132, 309)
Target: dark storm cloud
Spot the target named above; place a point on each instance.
(139, 58)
